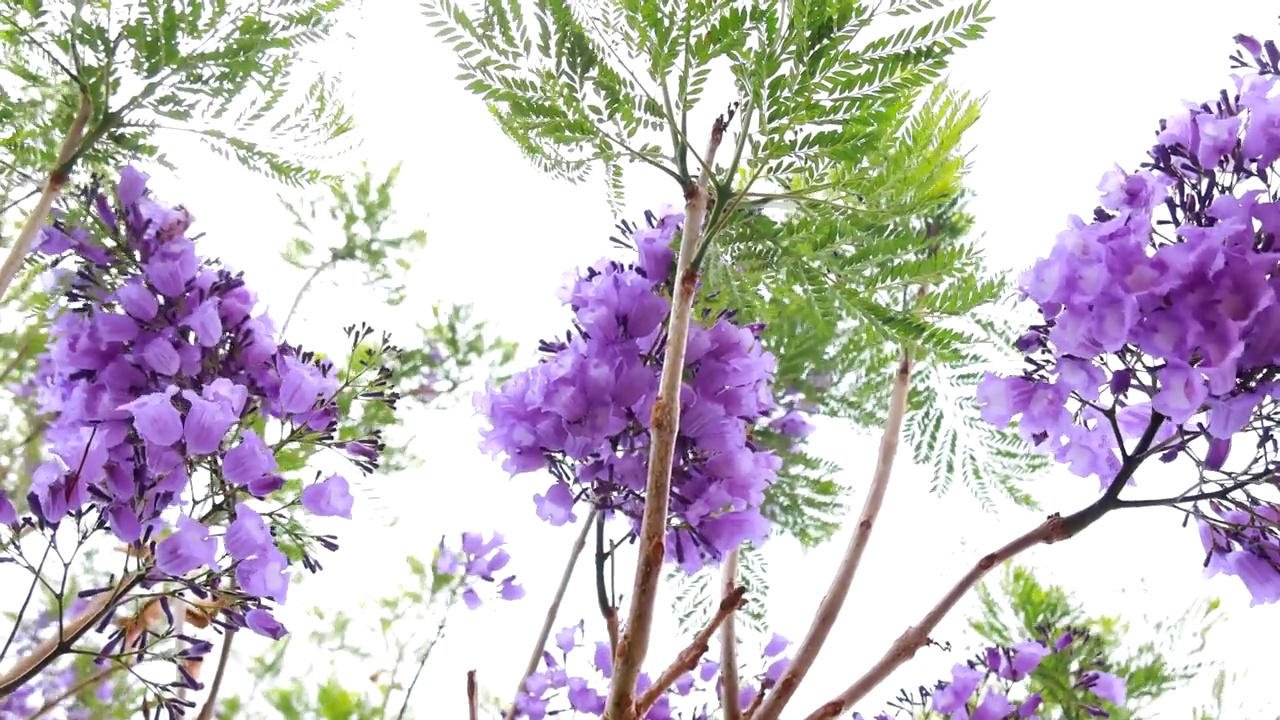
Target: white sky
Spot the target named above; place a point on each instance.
(1073, 87)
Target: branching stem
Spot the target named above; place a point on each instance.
(689, 657)
(633, 646)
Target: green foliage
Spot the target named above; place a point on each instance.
(698, 595)
(850, 129)
(226, 71)
(1023, 606)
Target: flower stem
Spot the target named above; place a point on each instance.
(633, 646)
(729, 644)
(831, 604)
(57, 178)
(554, 608)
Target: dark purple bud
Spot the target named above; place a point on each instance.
(1250, 45)
(1217, 455)
(1062, 642)
(1028, 342)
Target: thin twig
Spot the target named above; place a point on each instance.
(297, 299)
(689, 657)
(78, 688)
(426, 655)
(554, 609)
(603, 595)
(829, 609)
(473, 696)
(665, 422)
(729, 644)
(57, 178)
(224, 656)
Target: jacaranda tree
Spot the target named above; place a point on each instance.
(170, 448)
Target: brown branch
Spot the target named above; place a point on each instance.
(603, 599)
(829, 608)
(634, 643)
(554, 609)
(754, 704)
(57, 178)
(46, 652)
(689, 657)
(1053, 529)
(729, 644)
(224, 656)
(473, 696)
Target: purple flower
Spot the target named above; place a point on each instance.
(330, 497)
(8, 515)
(953, 696)
(249, 460)
(776, 645)
(187, 548)
(994, 706)
(265, 624)
(155, 418)
(566, 639)
(247, 535)
(265, 574)
(1107, 686)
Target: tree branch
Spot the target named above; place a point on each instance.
(829, 608)
(729, 643)
(665, 422)
(554, 609)
(473, 696)
(46, 652)
(1054, 529)
(57, 178)
(689, 657)
(224, 656)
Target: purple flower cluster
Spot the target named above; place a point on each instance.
(1245, 544)
(1161, 330)
(693, 696)
(981, 689)
(478, 560)
(55, 682)
(158, 382)
(584, 411)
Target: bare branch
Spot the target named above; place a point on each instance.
(829, 609)
(729, 688)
